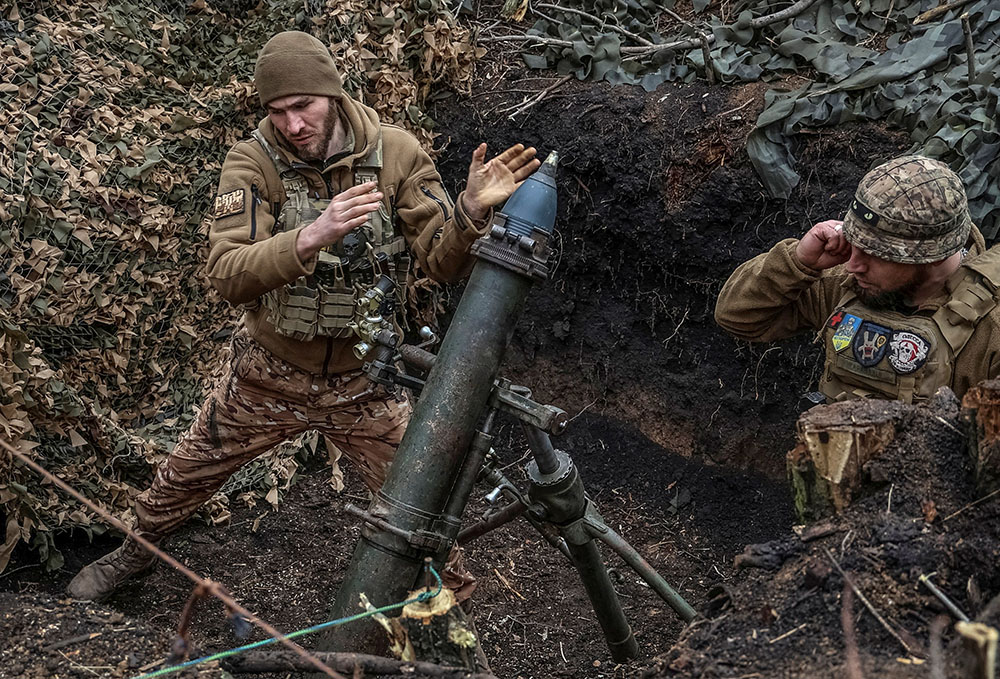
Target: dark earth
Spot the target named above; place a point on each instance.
(679, 431)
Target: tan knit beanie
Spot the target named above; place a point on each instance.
(294, 62)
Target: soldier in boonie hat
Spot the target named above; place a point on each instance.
(903, 291)
(911, 210)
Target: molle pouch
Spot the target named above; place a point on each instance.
(336, 310)
(294, 310)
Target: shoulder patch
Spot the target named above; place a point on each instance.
(846, 330)
(907, 351)
(228, 204)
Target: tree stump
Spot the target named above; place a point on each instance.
(835, 442)
(433, 631)
(981, 414)
(980, 643)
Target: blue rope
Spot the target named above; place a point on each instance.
(423, 596)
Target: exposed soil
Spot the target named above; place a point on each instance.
(678, 430)
(785, 619)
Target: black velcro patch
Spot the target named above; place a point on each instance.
(864, 213)
(232, 203)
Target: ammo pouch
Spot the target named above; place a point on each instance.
(323, 304)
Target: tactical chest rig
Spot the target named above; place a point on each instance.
(885, 354)
(326, 303)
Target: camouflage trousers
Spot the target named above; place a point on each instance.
(261, 402)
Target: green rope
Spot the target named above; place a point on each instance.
(423, 596)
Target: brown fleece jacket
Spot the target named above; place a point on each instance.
(247, 259)
(774, 296)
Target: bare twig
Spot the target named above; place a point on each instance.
(970, 49)
(787, 634)
(521, 108)
(614, 27)
(507, 584)
(850, 637)
(261, 662)
(171, 561)
(938, 626)
(878, 616)
(706, 54)
(554, 42)
(734, 110)
(689, 43)
(932, 14)
(972, 504)
(71, 641)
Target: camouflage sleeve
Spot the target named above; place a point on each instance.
(774, 296)
(438, 230)
(245, 259)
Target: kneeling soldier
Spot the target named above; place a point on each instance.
(903, 292)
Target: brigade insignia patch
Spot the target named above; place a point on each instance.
(228, 204)
(835, 320)
(846, 331)
(907, 351)
(871, 343)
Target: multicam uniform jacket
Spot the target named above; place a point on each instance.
(951, 340)
(250, 257)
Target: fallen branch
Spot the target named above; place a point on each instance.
(932, 14)
(850, 634)
(938, 626)
(878, 616)
(970, 49)
(690, 43)
(613, 27)
(521, 108)
(72, 640)
(283, 661)
(553, 42)
(787, 13)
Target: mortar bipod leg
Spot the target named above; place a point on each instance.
(557, 491)
(596, 527)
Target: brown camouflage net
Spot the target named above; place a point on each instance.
(115, 118)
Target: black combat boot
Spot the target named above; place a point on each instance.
(100, 579)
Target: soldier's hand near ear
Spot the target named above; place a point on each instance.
(824, 246)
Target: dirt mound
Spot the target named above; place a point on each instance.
(782, 615)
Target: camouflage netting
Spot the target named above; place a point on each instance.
(115, 118)
(868, 59)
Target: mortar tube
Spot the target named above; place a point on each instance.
(429, 457)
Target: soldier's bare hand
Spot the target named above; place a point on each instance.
(824, 246)
(491, 183)
(347, 211)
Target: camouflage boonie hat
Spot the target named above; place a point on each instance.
(911, 210)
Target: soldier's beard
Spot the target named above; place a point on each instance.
(897, 298)
(317, 150)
